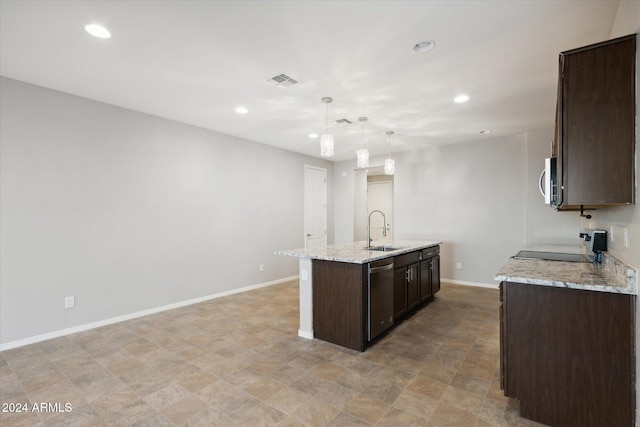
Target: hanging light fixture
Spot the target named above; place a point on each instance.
(326, 140)
(389, 164)
(362, 153)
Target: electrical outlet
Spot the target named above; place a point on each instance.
(69, 302)
(304, 275)
(458, 266)
(261, 267)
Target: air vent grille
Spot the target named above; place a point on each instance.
(344, 121)
(282, 80)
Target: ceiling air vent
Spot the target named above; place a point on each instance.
(344, 121)
(282, 80)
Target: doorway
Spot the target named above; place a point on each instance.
(315, 207)
(372, 190)
(380, 197)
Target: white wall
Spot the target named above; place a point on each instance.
(468, 195)
(471, 196)
(128, 212)
(480, 198)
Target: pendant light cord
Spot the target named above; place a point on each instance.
(326, 115)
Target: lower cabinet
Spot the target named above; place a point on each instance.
(567, 355)
(342, 296)
(429, 273)
(416, 279)
(435, 274)
(339, 303)
(406, 283)
(400, 307)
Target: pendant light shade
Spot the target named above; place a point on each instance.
(362, 153)
(363, 157)
(389, 164)
(326, 140)
(326, 145)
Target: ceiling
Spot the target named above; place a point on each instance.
(196, 61)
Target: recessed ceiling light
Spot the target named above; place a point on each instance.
(98, 31)
(461, 98)
(242, 110)
(486, 131)
(424, 46)
(313, 135)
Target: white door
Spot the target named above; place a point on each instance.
(379, 197)
(315, 207)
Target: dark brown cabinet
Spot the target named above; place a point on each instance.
(429, 273)
(567, 355)
(595, 124)
(339, 303)
(435, 274)
(342, 295)
(416, 279)
(406, 283)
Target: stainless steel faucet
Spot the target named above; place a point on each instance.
(384, 226)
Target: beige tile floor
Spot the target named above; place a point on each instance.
(237, 361)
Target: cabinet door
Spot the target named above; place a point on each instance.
(425, 280)
(597, 135)
(339, 306)
(399, 293)
(435, 274)
(413, 285)
(564, 375)
(503, 345)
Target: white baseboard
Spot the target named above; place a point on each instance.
(93, 325)
(476, 284)
(305, 334)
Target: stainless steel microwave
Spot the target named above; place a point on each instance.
(548, 183)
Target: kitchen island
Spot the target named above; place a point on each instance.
(334, 288)
(567, 340)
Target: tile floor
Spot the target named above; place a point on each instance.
(237, 361)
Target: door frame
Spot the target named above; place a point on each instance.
(388, 183)
(324, 203)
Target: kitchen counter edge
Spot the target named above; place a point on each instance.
(611, 276)
(355, 253)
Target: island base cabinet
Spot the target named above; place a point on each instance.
(400, 304)
(429, 274)
(567, 355)
(339, 303)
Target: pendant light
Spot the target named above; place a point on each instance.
(326, 140)
(362, 153)
(389, 164)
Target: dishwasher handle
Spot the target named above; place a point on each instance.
(379, 269)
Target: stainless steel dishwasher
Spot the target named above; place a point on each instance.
(379, 297)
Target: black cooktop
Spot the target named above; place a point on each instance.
(553, 256)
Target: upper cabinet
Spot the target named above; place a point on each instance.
(595, 125)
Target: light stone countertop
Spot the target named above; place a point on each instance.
(611, 276)
(355, 253)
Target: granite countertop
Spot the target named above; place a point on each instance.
(355, 253)
(611, 276)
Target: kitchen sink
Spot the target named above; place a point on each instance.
(383, 248)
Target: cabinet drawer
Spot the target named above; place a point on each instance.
(430, 252)
(406, 259)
